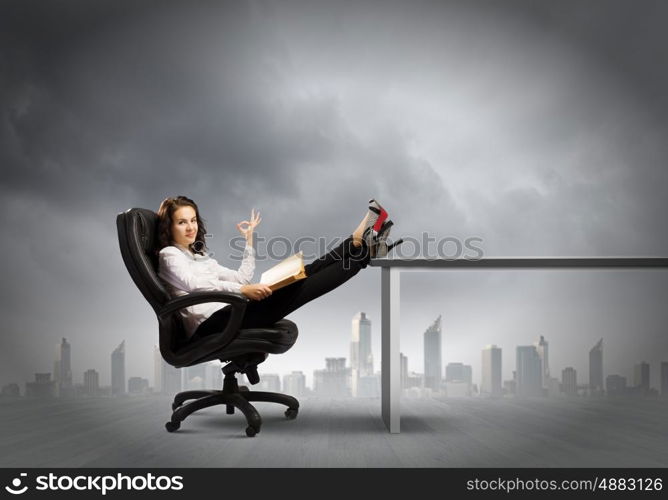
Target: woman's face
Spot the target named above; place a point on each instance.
(184, 226)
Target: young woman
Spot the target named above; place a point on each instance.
(185, 267)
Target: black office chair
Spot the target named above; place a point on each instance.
(242, 349)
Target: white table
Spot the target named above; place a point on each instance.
(390, 281)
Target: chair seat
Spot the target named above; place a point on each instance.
(276, 339)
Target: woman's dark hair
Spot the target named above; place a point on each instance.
(166, 218)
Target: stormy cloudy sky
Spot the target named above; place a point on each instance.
(539, 127)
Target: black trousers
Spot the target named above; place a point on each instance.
(322, 275)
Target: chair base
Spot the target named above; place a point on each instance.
(233, 397)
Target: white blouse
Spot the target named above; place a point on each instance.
(183, 272)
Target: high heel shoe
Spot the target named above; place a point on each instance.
(380, 248)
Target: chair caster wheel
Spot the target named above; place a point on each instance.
(172, 426)
(291, 413)
(243, 388)
(251, 431)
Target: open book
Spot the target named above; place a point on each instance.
(285, 272)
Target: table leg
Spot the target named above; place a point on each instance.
(390, 362)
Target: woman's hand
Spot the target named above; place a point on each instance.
(246, 227)
(256, 291)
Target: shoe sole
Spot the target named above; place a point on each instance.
(381, 215)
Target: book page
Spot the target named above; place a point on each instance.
(289, 267)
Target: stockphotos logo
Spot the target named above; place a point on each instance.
(100, 484)
(17, 487)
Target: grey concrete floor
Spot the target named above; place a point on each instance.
(466, 432)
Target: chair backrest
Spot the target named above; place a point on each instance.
(138, 240)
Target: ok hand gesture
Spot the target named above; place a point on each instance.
(246, 227)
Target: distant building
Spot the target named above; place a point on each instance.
(491, 371)
(10, 391)
(137, 385)
(214, 375)
(157, 370)
(42, 387)
(62, 370)
(294, 384)
(458, 372)
(195, 377)
(269, 382)
(415, 380)
(569, 381)
(457, 388)
(403, 368)
(168, 380)
(509, 387)
(368, 386)
(529, 372)
(458, 379)
(118, 370)
(641, 378)
(615, 385)
(91, 385)
(332, 381)
(433, 364)
(542, 348)
(361, 357)
(596, 369)
(664, 378)
(552, 388)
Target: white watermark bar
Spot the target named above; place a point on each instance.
(391, 269)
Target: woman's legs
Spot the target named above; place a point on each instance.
(322, 275)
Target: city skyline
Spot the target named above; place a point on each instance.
(357, 378)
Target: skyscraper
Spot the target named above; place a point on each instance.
(118, 370)
(596, 369)
(361, 357)
(91, 382)
(569, 381)
(403, 365)
(491, 371)
(641, 377)
(543, 352)
(433, 364)
(62, 371)
(529, 372)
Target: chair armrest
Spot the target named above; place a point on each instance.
(202, 349)
(198, 298)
